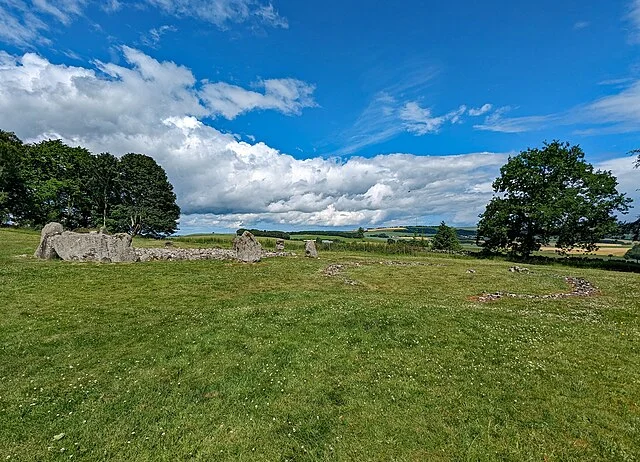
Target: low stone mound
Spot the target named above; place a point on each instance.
(176, 254)
(579, 288)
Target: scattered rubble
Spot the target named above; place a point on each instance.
(336, 269)
(518, 269)
(579, 288)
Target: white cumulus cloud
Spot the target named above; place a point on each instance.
(156, 108)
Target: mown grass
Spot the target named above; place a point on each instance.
(276, 361)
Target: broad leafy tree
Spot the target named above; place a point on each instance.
(56, 178)
(147, 204)
(550, 193)
(633, 253)
(104, 186)
(12, 189)
(634, 227)
(446, 239)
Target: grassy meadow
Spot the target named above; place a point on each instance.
(277, 361)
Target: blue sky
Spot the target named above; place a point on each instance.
(291, 114)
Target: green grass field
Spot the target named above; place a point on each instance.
(212, 360)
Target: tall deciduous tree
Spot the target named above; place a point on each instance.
(634, 227)
(446, 239)
(633, 253)
(147, 202)
(550, 193)
(56, 176)
(104, 186)
(12, 190)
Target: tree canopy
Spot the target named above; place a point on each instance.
(550, 193)
(147, 202)
(446, 239)
(50, 181)
(633, 253)
(634, 227)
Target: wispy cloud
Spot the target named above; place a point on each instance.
(153, 37)
(26, 23)
(224, 13)
(633, 17)
(421, 121)
(498, 122)
(397, 106)
(579, 25)
(616, 82)
(478, 111)
(615, 113)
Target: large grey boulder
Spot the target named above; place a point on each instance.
(247, 248)
(310, 249)
(45, 249)
(98, 247)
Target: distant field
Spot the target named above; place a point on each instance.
(382, 358)
(379, 230)
(605, 249)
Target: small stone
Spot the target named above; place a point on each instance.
(58, 437)
(279, 245)
(471, 271)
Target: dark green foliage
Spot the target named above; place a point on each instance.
(55, 177)
(345, 234)
(550, 193)
(380, 235)
(446, 239)
(265, 233)
(12, 190)
(634, 227)
(50, 181)
(104, 185)
(147, 203)
(633, 253)
(430, 230)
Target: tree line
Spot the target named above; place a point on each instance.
(51, 181)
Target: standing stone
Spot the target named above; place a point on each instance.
(279, 245)
(310, 249)
(247, 248)
(45, 249)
